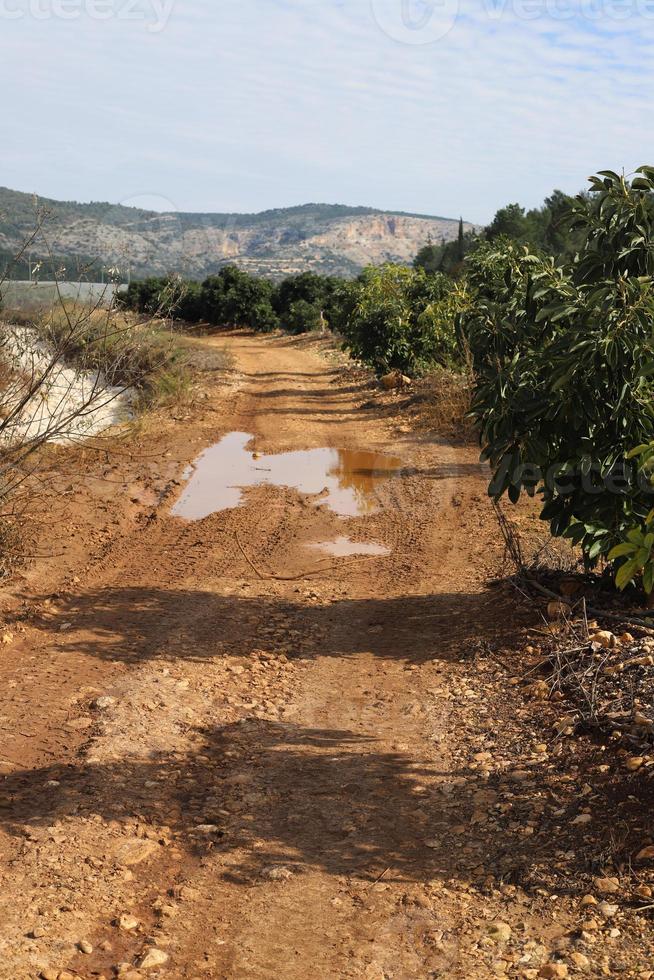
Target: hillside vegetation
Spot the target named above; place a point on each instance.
(330, 239)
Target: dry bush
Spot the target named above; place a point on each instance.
(67, 373)
(444, 399)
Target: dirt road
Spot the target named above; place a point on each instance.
(268, 766)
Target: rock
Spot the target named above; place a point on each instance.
(558, 610)
(85, 947)
(643, 891)
(79, 724)
(49, 974)
(605, 639)
(152, 958)
(583, 818)
(128, 923)
(580, 961)
(103, 703)
(607, 886)
(7, 638)
(608, 910)
(553, 971)
(539, 689)
(390, 381)
(189, 894)
(646, 854)
(135, 851)
(277, 873)
(588, 900)
(499, 931)
(37, 932)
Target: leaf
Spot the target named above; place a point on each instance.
(621, 550)
(595, 549)
(639, 450)
(626, 574)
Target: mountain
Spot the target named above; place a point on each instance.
(327, 238)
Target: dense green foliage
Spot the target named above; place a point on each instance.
(391, 317)
(402, 319)
(563, 353)
(550, 229)
(230, 298)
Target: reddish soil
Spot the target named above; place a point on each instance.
(280, 769)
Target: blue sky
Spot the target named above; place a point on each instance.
(443, 107)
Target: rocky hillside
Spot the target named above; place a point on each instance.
(325, 238)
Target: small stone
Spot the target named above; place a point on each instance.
(499, 931)
(7, 638)
(646, 854)
(580, 961)
(79, 724)
(128, 923)
(135, 851)
(153, 958)
(539, 689)
(558, 610)
(643, 891)
(37, 932)
(635, 762)
(104, 703)
(583, 818)
(604, 638)
(608, 910)
(49, 974)
(85, 947)
(607, 886)
(390, 381)
(589, 900)
(554, 971)
(277, 873)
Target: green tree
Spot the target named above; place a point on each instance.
(563, 353)
(402, 319)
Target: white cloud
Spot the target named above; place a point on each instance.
(262, 103)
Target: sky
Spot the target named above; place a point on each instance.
(446, 107)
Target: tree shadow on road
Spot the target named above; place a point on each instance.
(266, 799)
(134, 624)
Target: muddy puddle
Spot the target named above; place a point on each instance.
(345, 480)
(344, 547)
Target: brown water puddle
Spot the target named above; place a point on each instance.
(345, 479)
(344, 547)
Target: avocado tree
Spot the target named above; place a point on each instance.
(563, 354)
